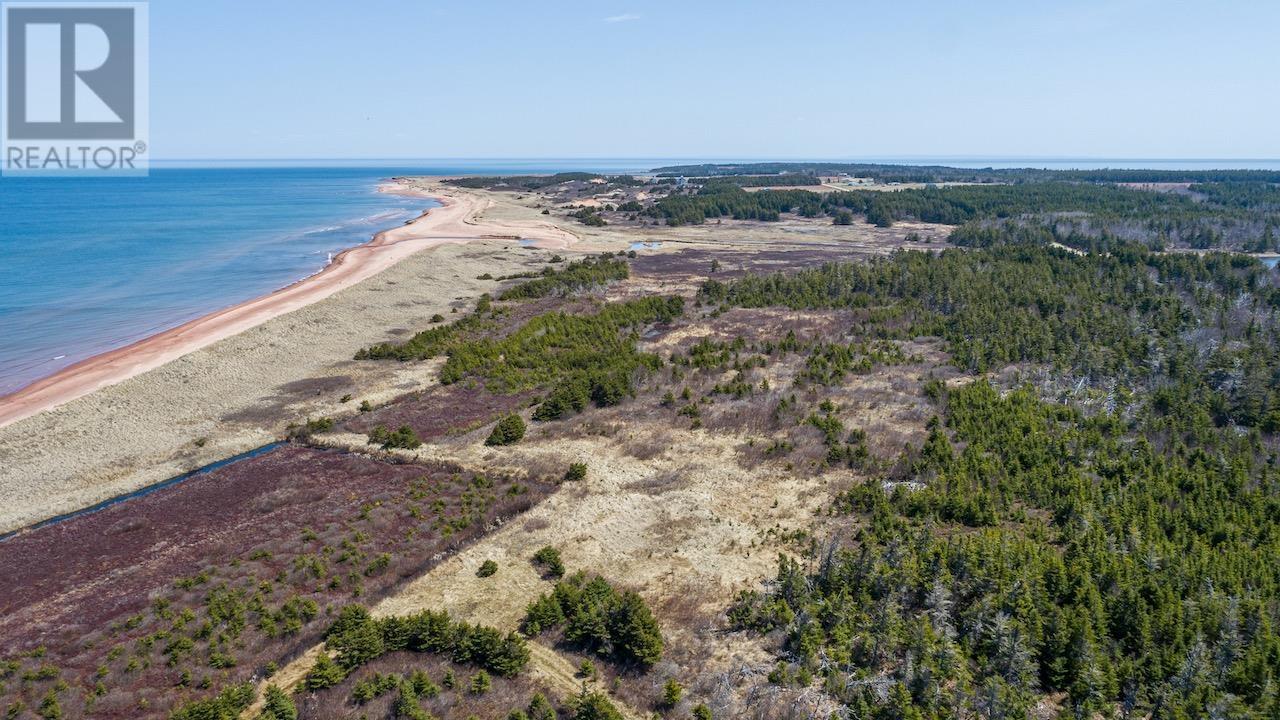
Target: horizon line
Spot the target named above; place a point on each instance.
(833, 159)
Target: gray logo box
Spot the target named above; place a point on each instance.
(113, 82)
(75, 93)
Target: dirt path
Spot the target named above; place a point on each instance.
(288, 678)
(560, 677)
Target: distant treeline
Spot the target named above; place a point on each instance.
(1240, 215)
(942, 173)
(951, 206)
(784, 180)
(537, 182)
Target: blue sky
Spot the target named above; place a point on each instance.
(853, 79)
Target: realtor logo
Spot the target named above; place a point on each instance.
(75, 95)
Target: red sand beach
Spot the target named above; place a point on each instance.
(457, 220)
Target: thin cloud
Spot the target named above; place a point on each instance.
(625, 17)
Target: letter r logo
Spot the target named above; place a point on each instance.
(70, 72)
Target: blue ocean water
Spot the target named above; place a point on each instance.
(88, 265)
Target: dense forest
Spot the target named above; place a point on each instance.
(1107, 540)
(1240, 215)
(941, 173)
(537, 182)
(781, 180)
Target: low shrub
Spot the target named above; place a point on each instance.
(599, 618)
(548, 559)
(403, 438)
(508, 431)
(279, 706)
(357, 639)
(226, 705)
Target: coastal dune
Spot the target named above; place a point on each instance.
(232, 380)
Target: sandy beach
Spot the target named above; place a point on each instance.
(232, 380)
(454, 221)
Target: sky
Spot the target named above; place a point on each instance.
(854, 79)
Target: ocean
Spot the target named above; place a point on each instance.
(88, 265)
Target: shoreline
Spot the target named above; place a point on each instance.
(456, 220)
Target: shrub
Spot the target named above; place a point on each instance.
(437, 318)
(548, 558)
(404, 438)
(576, 472)
(279, 706)
(566, 397)
(325, 673)
(508, 431)
(542, 614)
(594, 706)
(50, 709)
(540, 708)
(487, 569)
(311, 427)
(407, 706)
(702, 712)
(672, 691)
(375, 686)
(226, 705)
(597, 617)
(576, 276)
(423, 685)
(358, 639)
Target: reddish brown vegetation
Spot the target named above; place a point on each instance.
(212, 579)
